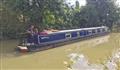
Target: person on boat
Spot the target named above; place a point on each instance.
(31, 32)
(35, 36)
(36, 31)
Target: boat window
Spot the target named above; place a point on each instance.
(93, 31)
(68, 35)
(78, 34)
(103, 30)
(89, 31)
(98, 30)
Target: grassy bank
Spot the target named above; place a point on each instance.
(53, 59)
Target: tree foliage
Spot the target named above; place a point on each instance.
(107, 11)
(17, 15)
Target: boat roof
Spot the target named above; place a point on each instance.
(72, 30)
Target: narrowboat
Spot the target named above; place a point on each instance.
(42, 40)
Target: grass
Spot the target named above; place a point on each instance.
(53, 59)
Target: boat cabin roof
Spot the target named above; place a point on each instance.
(72, 30)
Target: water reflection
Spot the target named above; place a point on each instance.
(80, 62)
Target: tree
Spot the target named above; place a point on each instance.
(22, 13)
(107, 11)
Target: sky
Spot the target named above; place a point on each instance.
(83, 2)
(118, 2)
(72, 2)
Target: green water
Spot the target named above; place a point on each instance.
(8, 46)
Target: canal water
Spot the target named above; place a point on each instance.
(96, 50)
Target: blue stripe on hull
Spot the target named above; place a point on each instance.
(50, 38)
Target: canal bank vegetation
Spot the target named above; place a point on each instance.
(17, 15)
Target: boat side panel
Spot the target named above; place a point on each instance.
(74, 34)
(62, 36)
(50, 38)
